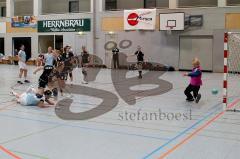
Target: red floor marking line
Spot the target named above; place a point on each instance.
(2, 148)
(9, 153)
(197, 131)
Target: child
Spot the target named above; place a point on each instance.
(32, 98)
(195, 82)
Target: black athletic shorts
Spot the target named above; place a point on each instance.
(43, 80)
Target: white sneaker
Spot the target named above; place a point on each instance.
(84, 82)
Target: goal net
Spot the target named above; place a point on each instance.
(232, 72)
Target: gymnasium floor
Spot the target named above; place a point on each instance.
(34, 133)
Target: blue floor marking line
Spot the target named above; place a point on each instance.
(183, 132)
(86, 128)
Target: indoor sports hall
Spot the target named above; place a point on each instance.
(119, 79)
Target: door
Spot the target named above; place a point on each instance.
(58, 42)
(55, 41)
(2, 46)
(44, 41)
(111, 41)
(196, 46)
(26, 41)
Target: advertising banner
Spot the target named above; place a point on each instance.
(140, 19)
(64, 25)
(24, 22)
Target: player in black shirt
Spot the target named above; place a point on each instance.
(115, 52)
(68, 59)
(140, 60)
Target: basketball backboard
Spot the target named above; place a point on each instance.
(171, 21)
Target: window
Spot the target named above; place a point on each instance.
(23, 7)
(131, 4)
(3, 11)
(156, 3)
(65, 6)
(123, 4)
(197, 3)
(149, 3)
(73, 6)
(233, 2)
(162, 3)
(111, 4)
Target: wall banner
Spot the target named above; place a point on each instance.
(140, 19)
(64, 25)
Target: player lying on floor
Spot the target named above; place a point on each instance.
(38, 98)
(32, 98)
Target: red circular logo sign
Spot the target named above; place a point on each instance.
(132, 19)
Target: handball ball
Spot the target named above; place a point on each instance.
(214, 91)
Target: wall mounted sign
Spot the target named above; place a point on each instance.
(65, 25)
(24, 22)
(140, 19)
